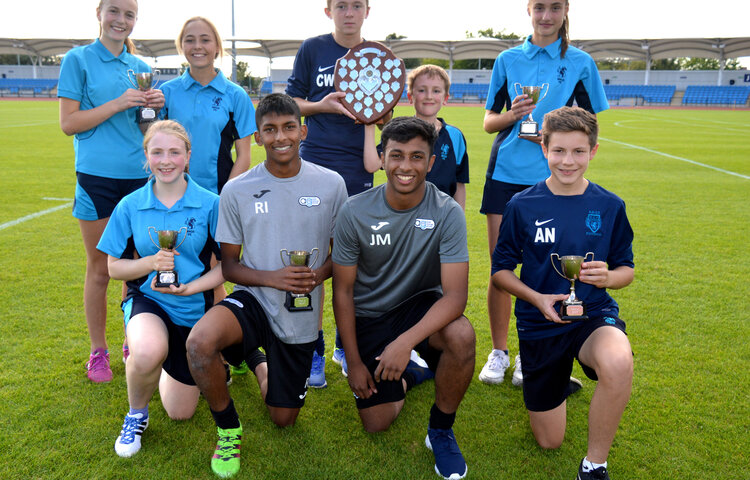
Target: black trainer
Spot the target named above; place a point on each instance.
(595, 474)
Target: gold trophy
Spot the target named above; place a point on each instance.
(167, 241)
(298, 302)
(572, 309)
(529, 128)
(144, 81)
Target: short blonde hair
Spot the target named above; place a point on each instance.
(431, 71)
(167, 127)
(211, 26)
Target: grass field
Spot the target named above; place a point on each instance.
(685, 176)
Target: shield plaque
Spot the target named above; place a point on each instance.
(372, 78)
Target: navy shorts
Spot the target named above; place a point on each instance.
(497, 194)
(548, 362)
(288, 364)
(176, 363)
(374, 334)
(96, 197)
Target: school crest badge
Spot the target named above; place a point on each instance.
(372, 78)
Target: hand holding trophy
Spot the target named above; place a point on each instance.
(572, 309)
(167, 241)
(529, 128)
(298, 302)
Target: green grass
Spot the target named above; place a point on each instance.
(687, 312)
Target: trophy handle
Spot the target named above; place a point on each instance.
(135, 85)
(516, 87)
(183, 238)
(545, 87)
(281, 254)
(554, 265)
(151, 228)
(587, 256)
(315, 258)
(155, 80)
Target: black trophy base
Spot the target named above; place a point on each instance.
(573, 312)
(529, 129)
(298, 303)
(145, 115)
(165, 278)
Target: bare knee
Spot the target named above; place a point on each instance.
(617, 367)
(180, 413)
(283, 417)
(547, 441)
(460, 339)
(143, 361)
(374, 426)
(200, 350)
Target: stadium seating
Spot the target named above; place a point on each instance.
(27, 86)
(469, 92)
(648, 93)
(715, 95)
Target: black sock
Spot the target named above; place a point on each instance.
(227, 418)
(441, 420)
(320, 344)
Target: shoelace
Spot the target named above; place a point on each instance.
(445, 441)
(226, 445)
(497, 361)
(97, 362)
(317, 365)
(128, 429)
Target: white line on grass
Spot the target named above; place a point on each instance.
(682, 159)
(38, 214)
(19, 125)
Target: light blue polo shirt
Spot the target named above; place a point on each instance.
(93, 76)
(574, 77)
(198, 212)
(215, 116)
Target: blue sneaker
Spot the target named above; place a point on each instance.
(340, 358)
(449, 463)
(129, 441)
(318, 371)
(420, 373)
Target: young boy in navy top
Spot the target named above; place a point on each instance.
(427, 88)
(333, 140)
(569, 215)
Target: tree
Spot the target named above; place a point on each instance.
(688, 63)
(491, 33)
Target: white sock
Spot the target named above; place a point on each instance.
(588, 466)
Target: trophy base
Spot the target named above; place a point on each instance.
(573, 312)
(166, 278)
(298, 303)
(145, 115)
(529, 129)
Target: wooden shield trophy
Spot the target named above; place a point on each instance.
(373, 79)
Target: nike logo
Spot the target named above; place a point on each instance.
(539, 224)
(379, 226)
(321, 69)
(262, 192)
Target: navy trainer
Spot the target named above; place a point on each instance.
(449, 463)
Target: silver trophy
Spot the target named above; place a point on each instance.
(167, 241)
(529, 128)
(572, 309)
(144, 81)
(298, 302)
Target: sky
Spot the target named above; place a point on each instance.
(416, 19)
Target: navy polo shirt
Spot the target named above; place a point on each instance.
(451, 159)
(215, 116)
(93, 76)
(196, 213)
(572, 78)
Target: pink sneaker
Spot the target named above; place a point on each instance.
(98, 366)
(125, 353)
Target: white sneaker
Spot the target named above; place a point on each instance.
(493, 371)
(517, 379)
(129, 441)
(417, 359)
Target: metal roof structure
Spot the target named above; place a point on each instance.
(645, 49)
